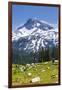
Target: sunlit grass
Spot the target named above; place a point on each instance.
(47, 72)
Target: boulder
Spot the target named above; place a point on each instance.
(46, 63)
(36, 79)
(27, 65)
(56, 61)
(32, 64)
(22, 68)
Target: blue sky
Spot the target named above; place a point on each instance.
(21, 13)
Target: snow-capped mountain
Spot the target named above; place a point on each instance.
(34, 35)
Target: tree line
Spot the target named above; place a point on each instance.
(44, 54)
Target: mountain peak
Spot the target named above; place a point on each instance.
(31, 23)
(36, 23)
(40, 24)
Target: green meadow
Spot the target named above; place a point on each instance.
(46, 71)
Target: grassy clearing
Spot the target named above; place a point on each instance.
(47, 72)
